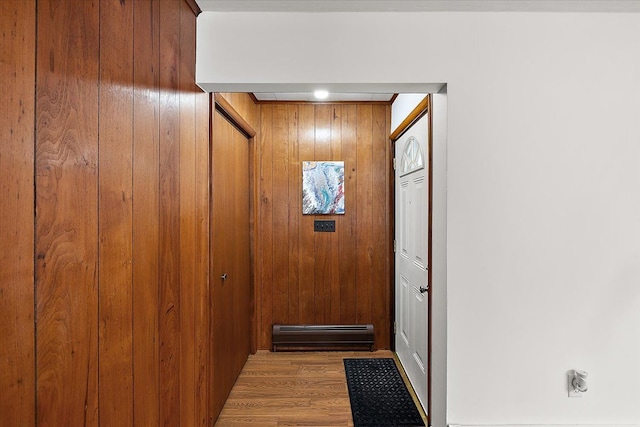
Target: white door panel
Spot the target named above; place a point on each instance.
(412, 255)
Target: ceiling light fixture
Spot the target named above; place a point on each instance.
(321, 94)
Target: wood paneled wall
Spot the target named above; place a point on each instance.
(17, 76)
(305, 277)
(245, 106)
(104, 286)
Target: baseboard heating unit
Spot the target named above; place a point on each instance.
(328, 336)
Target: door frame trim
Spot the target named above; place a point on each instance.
(424, 107)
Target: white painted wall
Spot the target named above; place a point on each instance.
(402, 106)
(543, 179)
(439, 262)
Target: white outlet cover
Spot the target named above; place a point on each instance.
(572, 393)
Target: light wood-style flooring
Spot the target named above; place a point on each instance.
(292, 389)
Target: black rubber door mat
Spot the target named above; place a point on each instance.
(378, 395)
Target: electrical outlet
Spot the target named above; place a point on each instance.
(577, 382)
(324, 226)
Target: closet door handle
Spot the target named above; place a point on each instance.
(224, 276)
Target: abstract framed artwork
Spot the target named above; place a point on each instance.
(322, 188)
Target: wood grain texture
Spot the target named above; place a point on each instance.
(244, 105)
(241, 276)
(146, 177)
(265, 256)
(230, 111)
(306, 257)
(202, 258)
(340, 277)
(169, 242)
(231, 263)
(322, 241)
(364, 240)
(95, 269)
(334, 283)
(221, 292)
(67, 213)
(17, 68)
(295, 206)
(382, 166)
(347, 246)
(280, 202)
(115, 225)
(188, 218)
(293, 389)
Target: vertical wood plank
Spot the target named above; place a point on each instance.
(294, 213)
(266, 209)
(255, 228)
(380, 303)
(115, 373)
(306, 141)
(364, 198)
(146, 110)
(188, 219)
(280, 208)
(169, 242)
(322, 241)
(66, 213)
(17, 68)
(336, 154)
(347, 249)
(202, 257)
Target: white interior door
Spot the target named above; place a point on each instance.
(412, 254)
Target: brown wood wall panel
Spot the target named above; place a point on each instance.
(294, 187)
(104, 286)
(245, 106)
(322, 241)
(169, 242)
(265, 262)
(381, 291)
(115, 187)
(279, 211)
(188, 219)
(202, 258)
(66, 242)
(146, 129)
(306, 258)
(336, 153)
(309, 277)
(364, 207)
(17, 71)
(347, 245)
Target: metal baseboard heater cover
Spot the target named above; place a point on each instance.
(322, 335)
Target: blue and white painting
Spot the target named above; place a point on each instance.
(322, 188)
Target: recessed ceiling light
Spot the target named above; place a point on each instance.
(321, 94)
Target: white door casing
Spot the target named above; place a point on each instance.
(412, 254)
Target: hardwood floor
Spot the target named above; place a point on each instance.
(292, 389)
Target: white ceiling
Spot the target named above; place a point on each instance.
(420, 5)
(333, 97)
(301, 93)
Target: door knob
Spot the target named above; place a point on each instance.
(224, 276)
(423, 289)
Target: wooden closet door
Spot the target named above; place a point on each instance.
(230, 251)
